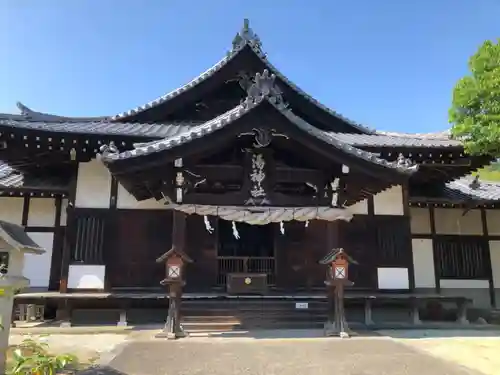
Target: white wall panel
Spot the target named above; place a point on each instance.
(423, 263)
(126, 200)
(11, 210)
(86, 276)
(37, 267)
(453, 221)
(42, 212)
(393, 278)
(493, 220)
(93, 188)
(389, 202)
(495, 262)
(463, 284)
(360, 208)
(420, 220)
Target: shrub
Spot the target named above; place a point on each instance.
(33, 358)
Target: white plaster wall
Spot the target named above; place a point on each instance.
(93, 188)
(359, 208)
(451, 221)
(389, 202)
(423, 263)
(11, 209)
(42, 212)
(463, 284)
(86, 276)
(37, 267)
(127, 200)
(493, 220)
(393, 278)
(420, 220)
(495, 262)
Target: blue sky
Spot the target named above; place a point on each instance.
(389, 64)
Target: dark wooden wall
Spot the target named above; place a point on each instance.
(133, 239)
(136, 239)
(376, 241)
(202, 248)
(297, 254)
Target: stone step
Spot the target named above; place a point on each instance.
(260, 324)
(245, 318)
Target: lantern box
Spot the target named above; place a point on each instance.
(339, 262)
(175, 260)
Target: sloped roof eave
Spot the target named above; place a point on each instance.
(231, 116)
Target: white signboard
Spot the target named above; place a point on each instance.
(301, 305)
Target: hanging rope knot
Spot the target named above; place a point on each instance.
(208, 226)
(236, 234)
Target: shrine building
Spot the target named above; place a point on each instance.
(250, 176)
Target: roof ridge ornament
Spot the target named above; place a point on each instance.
(246, 35)
(264, 86)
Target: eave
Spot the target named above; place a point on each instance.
(15, 183)
(458, 193)
(171, 148)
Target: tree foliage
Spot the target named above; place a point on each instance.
(475, 112)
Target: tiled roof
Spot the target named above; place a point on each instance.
(31, 115)
(445, 134)
(103, 128)
(15, 236)
(170, 130)
(461, 189)
(247, 39)
(232, 115)
(393, 140)
(14, 178)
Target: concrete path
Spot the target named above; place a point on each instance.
(255, 356)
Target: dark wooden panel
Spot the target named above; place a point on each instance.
(393, 236)
(89, 237)
(139, 238)
(358, 239)
(462, 257)
(376, 241)
(297, 254)
(201, 246)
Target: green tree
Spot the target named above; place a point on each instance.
(475, 112)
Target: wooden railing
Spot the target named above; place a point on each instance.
(227, 265)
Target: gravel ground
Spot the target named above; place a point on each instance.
(282, 352)
(476, 350)
(233, 356)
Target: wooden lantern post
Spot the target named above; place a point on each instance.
(337, 278)
(175, 262)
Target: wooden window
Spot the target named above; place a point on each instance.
(89, 232)
(461, 257)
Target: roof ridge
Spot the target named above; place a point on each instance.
(263, 89)
(246, 37)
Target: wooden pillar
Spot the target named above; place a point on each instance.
(68, 234)
(434, 253)
(179, 230)
(407, 214)
(484, 222)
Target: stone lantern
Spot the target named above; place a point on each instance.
(337, 279)
(175, 261)
(14, 243)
